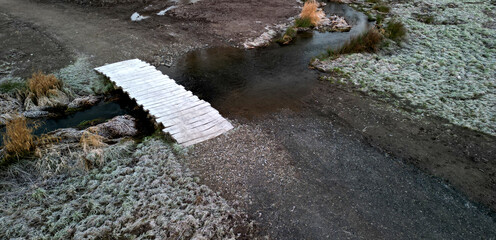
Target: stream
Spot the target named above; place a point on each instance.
(241, 82)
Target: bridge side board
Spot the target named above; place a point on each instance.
(188, 119)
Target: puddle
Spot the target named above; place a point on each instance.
(241, 82)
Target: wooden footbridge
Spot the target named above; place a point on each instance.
(184, 116)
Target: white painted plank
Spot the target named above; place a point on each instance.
(208, 134)
(111, 68)
(187, 118)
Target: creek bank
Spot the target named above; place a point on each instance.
(98, 183)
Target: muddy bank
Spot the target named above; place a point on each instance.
(464, 158)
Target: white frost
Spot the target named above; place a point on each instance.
(162, 13)
(138, 17)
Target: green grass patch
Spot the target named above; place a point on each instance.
(395, 30)
(288, 36)
(367, 42)
(303, 22)
(382, 8)
(9, 86)
(89, 123)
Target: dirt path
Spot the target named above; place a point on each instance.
(104, 36)
(317, 174)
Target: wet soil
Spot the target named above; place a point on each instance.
(462, 157)
(348, 166)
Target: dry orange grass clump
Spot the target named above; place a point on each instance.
(18, 138)
(92, 142)
(90, 139)
(311, 12)
(41, 83)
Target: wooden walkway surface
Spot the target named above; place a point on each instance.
(184, 116)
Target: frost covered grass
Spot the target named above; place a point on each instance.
(446, 68)
(140, 192)
(80, 78)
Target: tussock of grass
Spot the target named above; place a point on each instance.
(92, 143)
(311, 13)
(41, 83)
(395, 30)
(303, 23)
(367, 42)
(382, 8)
(90, 139)
(18, 139)
(288, 36)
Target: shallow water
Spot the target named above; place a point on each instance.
(103, 110)
(250, 82)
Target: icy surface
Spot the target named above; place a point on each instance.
(138, 17)
(162, 13)
(140, 192)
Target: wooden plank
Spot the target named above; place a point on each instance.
(111, 68)
(200, 125)
(125, 68)
(177, 114)
(169, 95)
(157, 76)
(162, 102)
(184, 107)
(119, 64)
(132, 74)
(156, 100)
(145, 86)
(207, 134)
(129, 69)
(197, 129)
(186, 117)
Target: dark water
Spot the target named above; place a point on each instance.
(250, 82)
(103, 110)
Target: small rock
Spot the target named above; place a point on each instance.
(4, 118)
(83, 102)
(54, 98)
(9, 104)
(116, 127)
(67, 135)
(36, 114)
